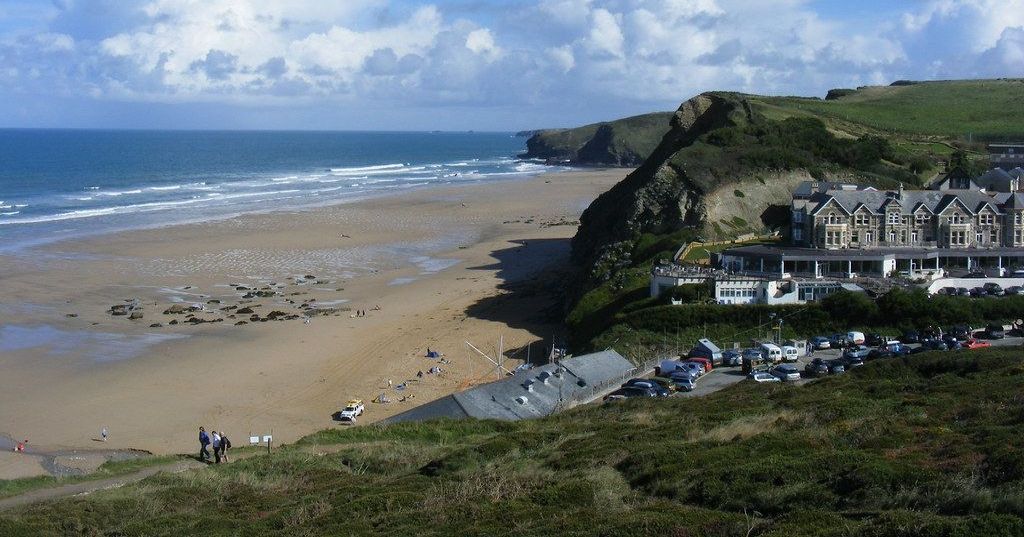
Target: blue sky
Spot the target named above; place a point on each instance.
(465, 64)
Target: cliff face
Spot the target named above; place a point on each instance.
(623, 142)
(659, 196)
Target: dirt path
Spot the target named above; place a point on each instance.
(85, 487)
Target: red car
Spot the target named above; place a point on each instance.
(704, 362)
(976, 344)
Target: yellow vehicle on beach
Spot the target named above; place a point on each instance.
(353, 409)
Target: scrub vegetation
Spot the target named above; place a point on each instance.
(924, 445)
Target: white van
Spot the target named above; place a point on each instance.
(855, 338)
(771, 352)
(790, 354)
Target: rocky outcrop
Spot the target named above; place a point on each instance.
(623, 142)
(659, 196)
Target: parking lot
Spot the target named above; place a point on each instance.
(723, 376)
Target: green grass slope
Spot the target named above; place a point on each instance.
(622, 142)
(952, 110)
(925, 446)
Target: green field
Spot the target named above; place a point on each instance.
(924, 446)
(979, 110)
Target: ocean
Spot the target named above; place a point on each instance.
(61, 184)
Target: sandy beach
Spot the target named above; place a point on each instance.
(435, 267)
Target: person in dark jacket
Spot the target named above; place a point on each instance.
(204, 440)
(225, 445)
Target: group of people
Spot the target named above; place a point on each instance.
(218, 441)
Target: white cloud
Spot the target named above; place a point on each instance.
(605, 38)
(554, 53)
(481, 41)
(562, 57)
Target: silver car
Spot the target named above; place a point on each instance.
(786, 373)
(761, 376)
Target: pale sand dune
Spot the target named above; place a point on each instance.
(284, 376)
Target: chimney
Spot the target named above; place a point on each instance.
(899, 194)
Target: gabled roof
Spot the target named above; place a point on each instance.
(921, 205)
(948, 201)
(828, 201)
(1014, 201)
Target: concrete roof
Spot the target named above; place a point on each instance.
(527, 394)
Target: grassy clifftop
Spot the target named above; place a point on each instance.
(983, 110)
(711, 171)
(928, 445)
(623, 142)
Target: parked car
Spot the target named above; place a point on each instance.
(995, 331)
(816, 367)
(790, 353)
(978, 292)
(761, 376)
(732, 358)
(875, 354)
(960, 332)
(853, 361)
(704, 362)
(628, 393)
(648, 384)
(786, 372)
(836, 367)
(873, 340)
(687, 372)
(993, 288)
(948, 291)
(860, 351)
(820, 343)
(1012, 290)
(911, 336)
(838, 341)
(685, 384)
(754, 355)
(854, 338)
(976, 344)
(963, 291)
(352, 410)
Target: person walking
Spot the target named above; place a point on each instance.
(225, 445)
(216, 447)
(204, 440)
(103, 434)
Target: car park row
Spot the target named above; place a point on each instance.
(826, 355)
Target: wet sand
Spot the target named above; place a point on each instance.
(445, 265)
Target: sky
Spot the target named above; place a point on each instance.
(499, 65)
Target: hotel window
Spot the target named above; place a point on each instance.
(833, 238)
(921, 219)
(892, 236)
(985, 219)
(977, 237)
(956, 218)
(1017, 218)
(869, 237)
(862, 219)
(913, 237)
(994, 237)
(1018, 236)
(958, 238)
(798, 234)
(894, 218)
(855, 236)
(835, 219)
